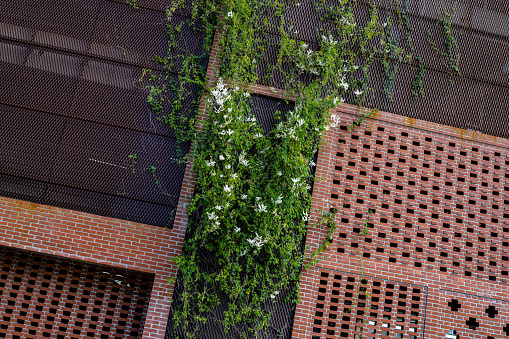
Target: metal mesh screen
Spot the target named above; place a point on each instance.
(73, 108)
(476, 100)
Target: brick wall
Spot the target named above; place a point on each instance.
(52, 297)
(95, 239)
(438, 236)
(108, 241)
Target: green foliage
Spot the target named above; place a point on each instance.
(450, 53)
(133, 3)
(250, 212)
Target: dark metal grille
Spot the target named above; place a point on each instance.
(48, 297)
(73, 108)
(477, 100)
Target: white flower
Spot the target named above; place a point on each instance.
(300, 122)
(218, 207)
(212, 216)
(221, 157)
(244, 196)
(234, 176)
(210, 163)
(230, 132)
(242, 159)
(215, 225)
(257, 241)
(261, 208)
(258, 198)
(338, 100)
(279, 173)
(355, 68)
(305, 217)
(357, 92)
(247, 94)
(228, 166)
(227, 205)
(230, 14)
(273, 295)
(258, 135)
(279, 200)
(213, 173)
(227, 188)
(237, 229)
(312, 163)
(295, 180)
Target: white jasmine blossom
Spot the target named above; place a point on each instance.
(279, 173)
(210, 163)
(305, 217)
(218, 207)
(212, 216)
(257, 242)
(295, 180)
(258, 135)
(273, 295)
(279, 200)
(228, 166)
(237, 229)
(357, 92)
(213, 173)
(312, 163)
(227, 205)
(261, 208)
(230, 14)
(227, 188)
(235, 176)
(221, 157)
(258, 198)
(244, 196)
(230, 132)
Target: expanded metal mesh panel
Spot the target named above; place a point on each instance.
(475, 100)
(102, 28)
(49, 297)
(73, 108)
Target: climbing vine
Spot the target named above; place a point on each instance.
(450, 53)
(250, 212)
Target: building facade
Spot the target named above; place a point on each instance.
(422, 187)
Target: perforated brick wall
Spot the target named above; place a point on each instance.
(350, 305)
(49, 297)
(420, 204)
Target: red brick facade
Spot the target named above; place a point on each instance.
(435, 257)
(101, 240)
(436, 254)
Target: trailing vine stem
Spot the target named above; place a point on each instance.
(451, 53)
(250, 212)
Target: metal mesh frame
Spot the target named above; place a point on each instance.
(475, 100)
(73, 108)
